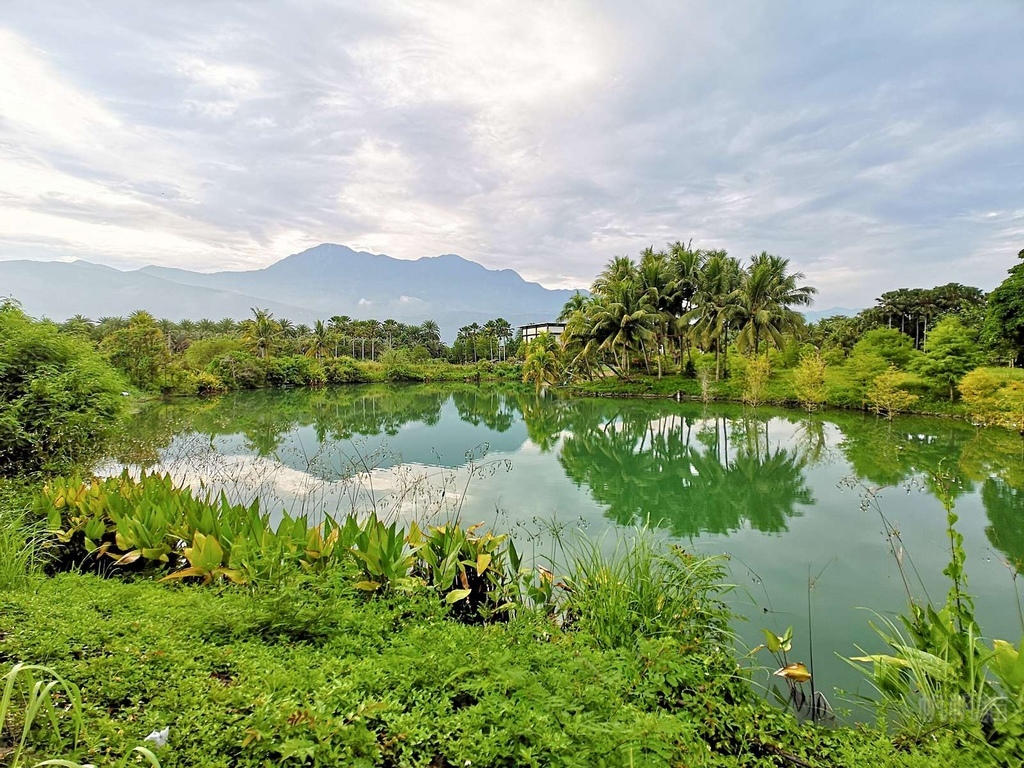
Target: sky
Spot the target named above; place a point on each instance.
(876, 145)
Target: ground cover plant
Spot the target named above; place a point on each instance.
(389, 645)
(243, 678)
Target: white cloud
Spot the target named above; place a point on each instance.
(545, 137)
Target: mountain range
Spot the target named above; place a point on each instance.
(315, 284)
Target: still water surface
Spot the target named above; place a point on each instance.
(780, 492)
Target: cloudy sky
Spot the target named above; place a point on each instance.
(875, 145)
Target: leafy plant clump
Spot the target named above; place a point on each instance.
(390, 682)
(939, 674)
(58, 398)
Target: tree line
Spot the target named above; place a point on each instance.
(705, 315)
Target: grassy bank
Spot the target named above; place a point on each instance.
(313, 674)
(376, 646)
(841, 390)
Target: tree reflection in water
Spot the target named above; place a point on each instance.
(688, 468)
(688, 473)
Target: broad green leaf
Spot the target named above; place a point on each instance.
(457, 594)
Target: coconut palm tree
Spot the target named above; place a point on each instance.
(709, 319)
(763, 306)
(686, 267)
(574, 304)
(622, 323)
(318, 342)
(543, 365)
(654, 281)
(262, 331)
(430, 332)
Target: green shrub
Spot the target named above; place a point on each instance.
(644, 589)
(295, 371)
(345, 370)
(239, 370)
(58, 398)
(398, 366)
(202, 352)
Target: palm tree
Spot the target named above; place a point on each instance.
(206, 327)
(430, 332)
(287, 327)
(654, 282)
(503, 330)
(318, 341)
(373, 330)
(261, 331)
(391, 328)
(543, 363)
(763, 304)
(227, 325)
(622, 322)
(686, 267)
(574, 304)
(709, 319)
(472, 331)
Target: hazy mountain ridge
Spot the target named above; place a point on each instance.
(317, 283)
(813, 316)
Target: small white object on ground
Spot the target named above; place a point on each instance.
(159, 738)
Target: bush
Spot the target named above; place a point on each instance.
(59, 399)
(239, 370)
(202, 352)
(994, 397)
(295, 371)
(887, 395)
(345, 370)
(398, 366)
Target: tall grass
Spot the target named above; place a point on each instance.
(18, 548)
(643, 587)
(28, 701)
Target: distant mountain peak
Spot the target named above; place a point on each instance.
(317, 283)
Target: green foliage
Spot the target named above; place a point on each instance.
(893, 347)
(36, 697)
(345, 370)
(950, 351)
(119, 523)
(18, 550)
(809, 381)
(58, 398)
(294, 371)
(239, 370)
(140, 351)
(755, 380)
(389, 682)
(886, 395)
(398, 366)
(995, 397)
(644, 590)
(202, 352)
(942, 675)
(543, 366)
(1005, 318)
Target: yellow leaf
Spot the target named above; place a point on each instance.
(797, 672)
(482, 561)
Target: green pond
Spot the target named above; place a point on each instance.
(780, 492)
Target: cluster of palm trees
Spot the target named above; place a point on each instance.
(267, 335)
(668, 302)
(912, 310)
(340, 335)
(490, 341)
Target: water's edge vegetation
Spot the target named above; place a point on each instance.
(128, 606)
